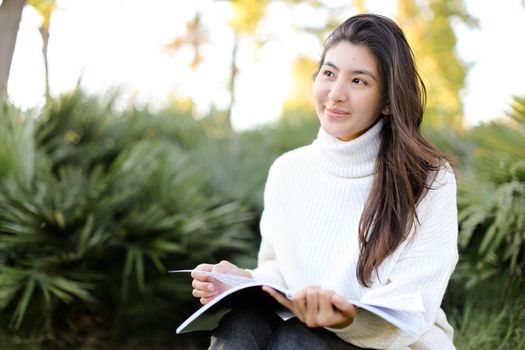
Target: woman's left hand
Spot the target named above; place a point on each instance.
(318, 308)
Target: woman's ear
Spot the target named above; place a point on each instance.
(386, 106)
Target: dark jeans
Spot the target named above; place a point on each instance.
(261, 329)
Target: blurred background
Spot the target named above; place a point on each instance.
(136, 137)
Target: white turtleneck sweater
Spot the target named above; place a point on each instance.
(313, 201)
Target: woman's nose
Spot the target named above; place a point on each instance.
(337, 92)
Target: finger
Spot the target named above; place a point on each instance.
(204, 286)
(197, 293)
(224, 266)
(204, 267)
(346, 308)
(299, 305)
(312, 306)
(205, 300)
(326, 308)
(196, 272)
(201, 275)
(279, 297)
(312, 298)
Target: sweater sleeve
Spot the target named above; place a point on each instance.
(268, 269)
(267, 266)
(424, 264)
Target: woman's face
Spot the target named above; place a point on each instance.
(347, 91)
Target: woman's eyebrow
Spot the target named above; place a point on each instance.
(330, 64)
(365, 72)
(355, 71)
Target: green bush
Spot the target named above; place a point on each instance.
(238, 164)
(492, 197)
(95, 207)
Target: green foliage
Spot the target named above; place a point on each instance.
(453, 142)
(484, 301)
(16, 146)
(495, 329)
(95, 206)
(492, 196)
(486, 318)
(238, 163)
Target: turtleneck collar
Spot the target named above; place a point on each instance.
(354, 158)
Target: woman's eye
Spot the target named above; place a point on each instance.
(359, 81)
(328, 73)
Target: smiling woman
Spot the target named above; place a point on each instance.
(347, 91)
(368, 210)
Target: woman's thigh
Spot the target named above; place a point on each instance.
(293, 334)
(245, 329)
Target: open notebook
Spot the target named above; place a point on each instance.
(403, 311)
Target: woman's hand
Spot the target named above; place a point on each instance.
(206, 287)
(318, 308)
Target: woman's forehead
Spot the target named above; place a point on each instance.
(345, 55)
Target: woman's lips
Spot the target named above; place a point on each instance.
(336, 113)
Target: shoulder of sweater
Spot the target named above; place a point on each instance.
(445, 176)
(292, 159)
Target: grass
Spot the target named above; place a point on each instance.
(490, 315)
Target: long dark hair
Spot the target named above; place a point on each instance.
(406, 164)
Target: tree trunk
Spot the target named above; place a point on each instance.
(44, 32)
(233, 76)
(10, 15)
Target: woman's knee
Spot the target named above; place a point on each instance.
(247, 319)
(244, 329)
(294, 334)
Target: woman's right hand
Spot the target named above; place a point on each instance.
(206, 287)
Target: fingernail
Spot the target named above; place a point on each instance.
(210, 287)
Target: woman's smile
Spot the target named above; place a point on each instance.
(336, 113)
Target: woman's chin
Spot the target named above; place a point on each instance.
(337, 132)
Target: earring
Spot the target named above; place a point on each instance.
(386, 111)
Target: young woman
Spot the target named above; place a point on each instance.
(367, 210)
